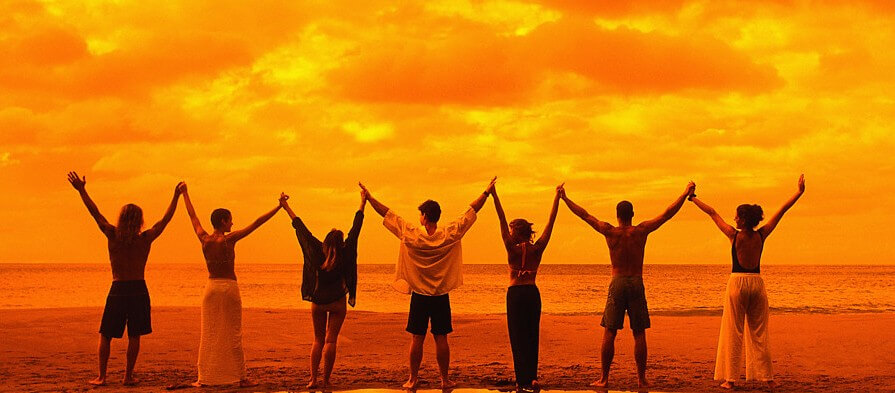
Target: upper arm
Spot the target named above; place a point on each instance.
(394, 223)
(601, 226)
(725, 228)
(462, 224)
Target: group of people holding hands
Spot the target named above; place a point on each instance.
(428, 268)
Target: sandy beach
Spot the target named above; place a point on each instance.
(55, 350)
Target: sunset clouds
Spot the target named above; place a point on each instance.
(621, 100)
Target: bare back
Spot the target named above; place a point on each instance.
(220, 256)
(128, 258)
(626, 248)
(748, 246)
(524, 272)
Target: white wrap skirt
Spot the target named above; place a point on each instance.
(221, 359)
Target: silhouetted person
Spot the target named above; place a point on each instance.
(429, 263)
(523, 297)
(128, 300)
(746, 302)
(627, 244)
(329, 276)
(221, 359)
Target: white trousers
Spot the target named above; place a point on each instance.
(221, 359)
(745, 316)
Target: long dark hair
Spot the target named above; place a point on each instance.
(130, 222)
(332, 249)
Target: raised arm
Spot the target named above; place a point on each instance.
(358, 222)
(480, 201)
(548, 229)
(157, 229)
(239, 234)
(80, 184)
(766, 229)
(501, 217)
(726, 228)
(197, 225)
(379, 207)
(601, 226)
(652, 225)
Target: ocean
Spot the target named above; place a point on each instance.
(565, 289)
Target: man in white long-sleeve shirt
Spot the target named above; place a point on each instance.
(428, 269)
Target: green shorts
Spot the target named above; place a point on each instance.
(626, 293)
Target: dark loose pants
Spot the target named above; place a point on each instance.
(524, 322)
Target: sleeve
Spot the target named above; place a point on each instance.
(306, 240)
(395, 224)
(354, 233)
(461, 225)
(351, 280)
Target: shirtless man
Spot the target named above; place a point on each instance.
(128, 300)
(221, 358)
(429, 263)
(626, 248)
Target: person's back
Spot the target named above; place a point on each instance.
(128, 257)
(626, 249)
(220, 256)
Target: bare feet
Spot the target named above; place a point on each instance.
(326, 387)
(448, 384)
(98, 381)
(197, 384)
(773, 385)
(312, 384)
(642, 383)
(411, 383)
(601, 383)
(247, 383)
(131, 381)
(727, 385)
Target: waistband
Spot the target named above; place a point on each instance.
(132, 287)
(628, 278)
(745, 274)
(523, 286)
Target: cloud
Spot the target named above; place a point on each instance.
(481, 67)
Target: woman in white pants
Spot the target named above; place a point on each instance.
(746, 302)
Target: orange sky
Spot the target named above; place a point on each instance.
(246, 99)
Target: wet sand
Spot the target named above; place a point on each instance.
(55, 350)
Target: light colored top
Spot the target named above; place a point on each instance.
(429, 264)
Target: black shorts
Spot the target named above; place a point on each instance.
(127, 304)
(423, 308)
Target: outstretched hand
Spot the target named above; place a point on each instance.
(77, 182)
(283, 199)
(561, 190)
(179, 188)
(802, 183)
(691, 190)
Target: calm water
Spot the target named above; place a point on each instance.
(565, 289)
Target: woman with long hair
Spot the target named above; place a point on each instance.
(128, 301)
(746, 301)
(523, 297)
(329, 279)
(221, 358)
